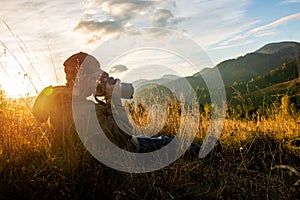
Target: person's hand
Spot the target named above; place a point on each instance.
(116, 88)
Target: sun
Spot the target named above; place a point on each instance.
(16, 87)
(13, 90)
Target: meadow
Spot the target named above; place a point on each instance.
(259, 158)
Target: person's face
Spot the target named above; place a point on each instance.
(85, 84)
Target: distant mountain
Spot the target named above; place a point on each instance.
(270, 65)
(247, 67)
(170, 77)
(280, 48)
(142, 83)
(259, 62)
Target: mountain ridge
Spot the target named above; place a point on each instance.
(273, 48)
(271, 64)
(259, 62)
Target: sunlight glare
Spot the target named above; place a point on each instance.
(17, 86)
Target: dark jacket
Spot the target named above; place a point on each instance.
(115, 123)
(55, 104)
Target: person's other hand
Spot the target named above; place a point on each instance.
(115, 88)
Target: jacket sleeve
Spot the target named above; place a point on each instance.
(111, 128)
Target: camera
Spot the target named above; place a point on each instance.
(127, 89)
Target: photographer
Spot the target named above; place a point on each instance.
(54, 104)
(91, 82)
(111, 114)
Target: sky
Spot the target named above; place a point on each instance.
(37, 36)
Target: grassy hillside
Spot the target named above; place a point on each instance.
(259, 159)
(268, 88)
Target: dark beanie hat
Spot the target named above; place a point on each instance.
(88, 63)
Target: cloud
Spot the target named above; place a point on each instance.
(276, 23)
(209, 22)
(165, 18)
(124, 9)
(108, 17)
(162, 16)
(290, 1)
(104, 27)
(118, 69)
(261, 31)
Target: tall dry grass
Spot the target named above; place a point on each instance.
(259, 160)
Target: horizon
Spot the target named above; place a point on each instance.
(146, 77)
(36, 42)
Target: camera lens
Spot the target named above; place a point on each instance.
(127, 90)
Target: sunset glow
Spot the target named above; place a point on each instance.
(35, 43)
